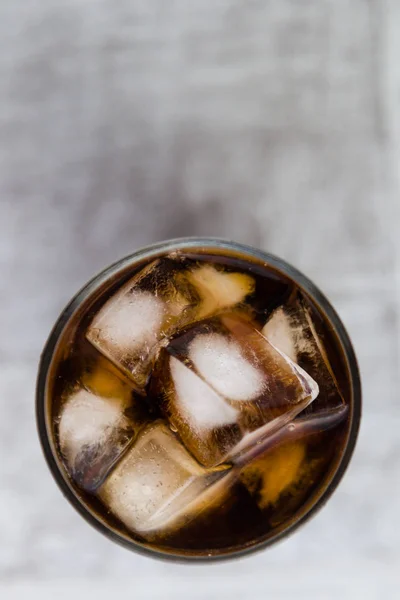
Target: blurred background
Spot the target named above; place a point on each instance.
(270, 122)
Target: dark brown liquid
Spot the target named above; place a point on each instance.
(272, 488)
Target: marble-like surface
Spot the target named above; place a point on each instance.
(274, 123)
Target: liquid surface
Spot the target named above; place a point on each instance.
(200, 404)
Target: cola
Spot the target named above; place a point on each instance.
(198, 401)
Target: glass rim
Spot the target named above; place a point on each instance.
(147, 254)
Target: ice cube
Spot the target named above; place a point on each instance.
(290, 328)
(280, 333)
(166, 295)
(218, 289)
(301, 428)
(93, 432)
(206, 422)
(232, 388)
(128, 328)
(158, 487)
(221, 361)
(198, 400)
(279, 464)
(268, 477)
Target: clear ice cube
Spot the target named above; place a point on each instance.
(94, 429)
(229, 388)
(291, 329)
(218, 290)
(158, 487)
(270, 476)
(207, 424)
(278, 464)
(166, 295)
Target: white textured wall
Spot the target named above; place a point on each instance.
(272, 122)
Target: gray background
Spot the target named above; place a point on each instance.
(271, 122)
